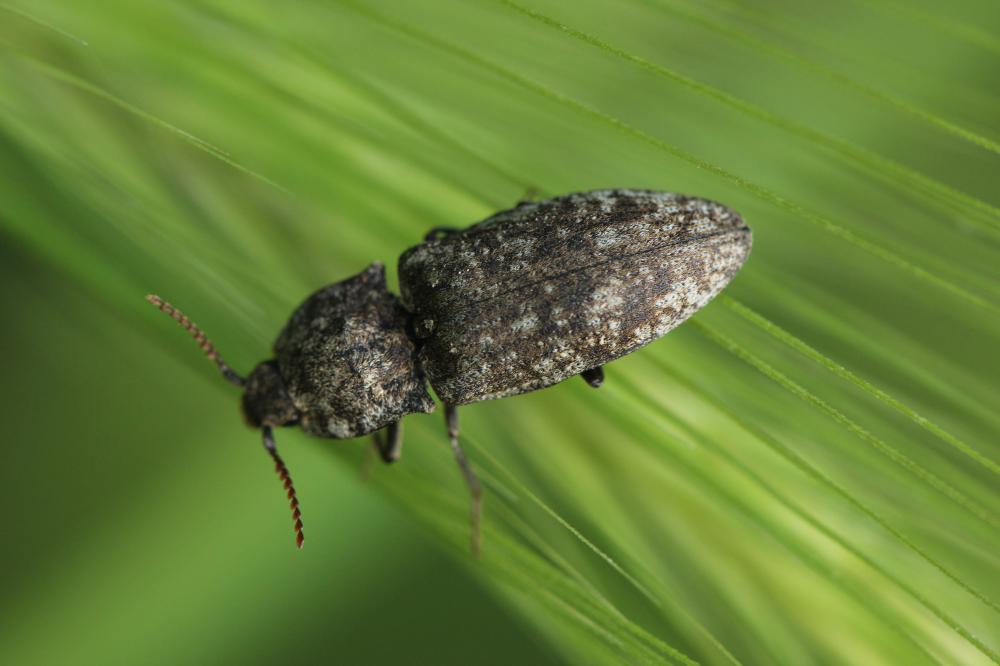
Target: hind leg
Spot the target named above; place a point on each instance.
(594, 376)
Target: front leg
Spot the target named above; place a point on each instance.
(391, 447)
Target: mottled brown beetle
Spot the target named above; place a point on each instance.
(518, 302)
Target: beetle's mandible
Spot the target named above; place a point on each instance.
(523, 300)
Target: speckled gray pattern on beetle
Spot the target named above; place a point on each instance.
(544, 291)
(348, 363)
(518, 302)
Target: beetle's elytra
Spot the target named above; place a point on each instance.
(520, 301)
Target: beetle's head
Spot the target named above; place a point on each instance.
(265, 400)
(265, 403)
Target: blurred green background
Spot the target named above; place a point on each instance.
(805, 473)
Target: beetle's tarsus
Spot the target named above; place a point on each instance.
(475, 489)
(594, 376)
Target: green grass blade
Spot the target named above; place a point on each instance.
(864, 435)
(798, 345)
(639, 395)
(866, 160)
(815, 473)
(836, 76)
(759, 191)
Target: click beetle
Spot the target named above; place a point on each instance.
(520, 301)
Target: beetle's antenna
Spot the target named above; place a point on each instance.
(199, 337)
(286, 479)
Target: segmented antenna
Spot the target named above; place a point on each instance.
(286, 480)
(199, 337)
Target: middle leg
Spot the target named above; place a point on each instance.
(475, 490)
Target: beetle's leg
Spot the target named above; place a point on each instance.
(439, 232)
(390, 448)
(475, 490)
(594, 376)
(529, 196)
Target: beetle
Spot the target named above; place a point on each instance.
(520, 301)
